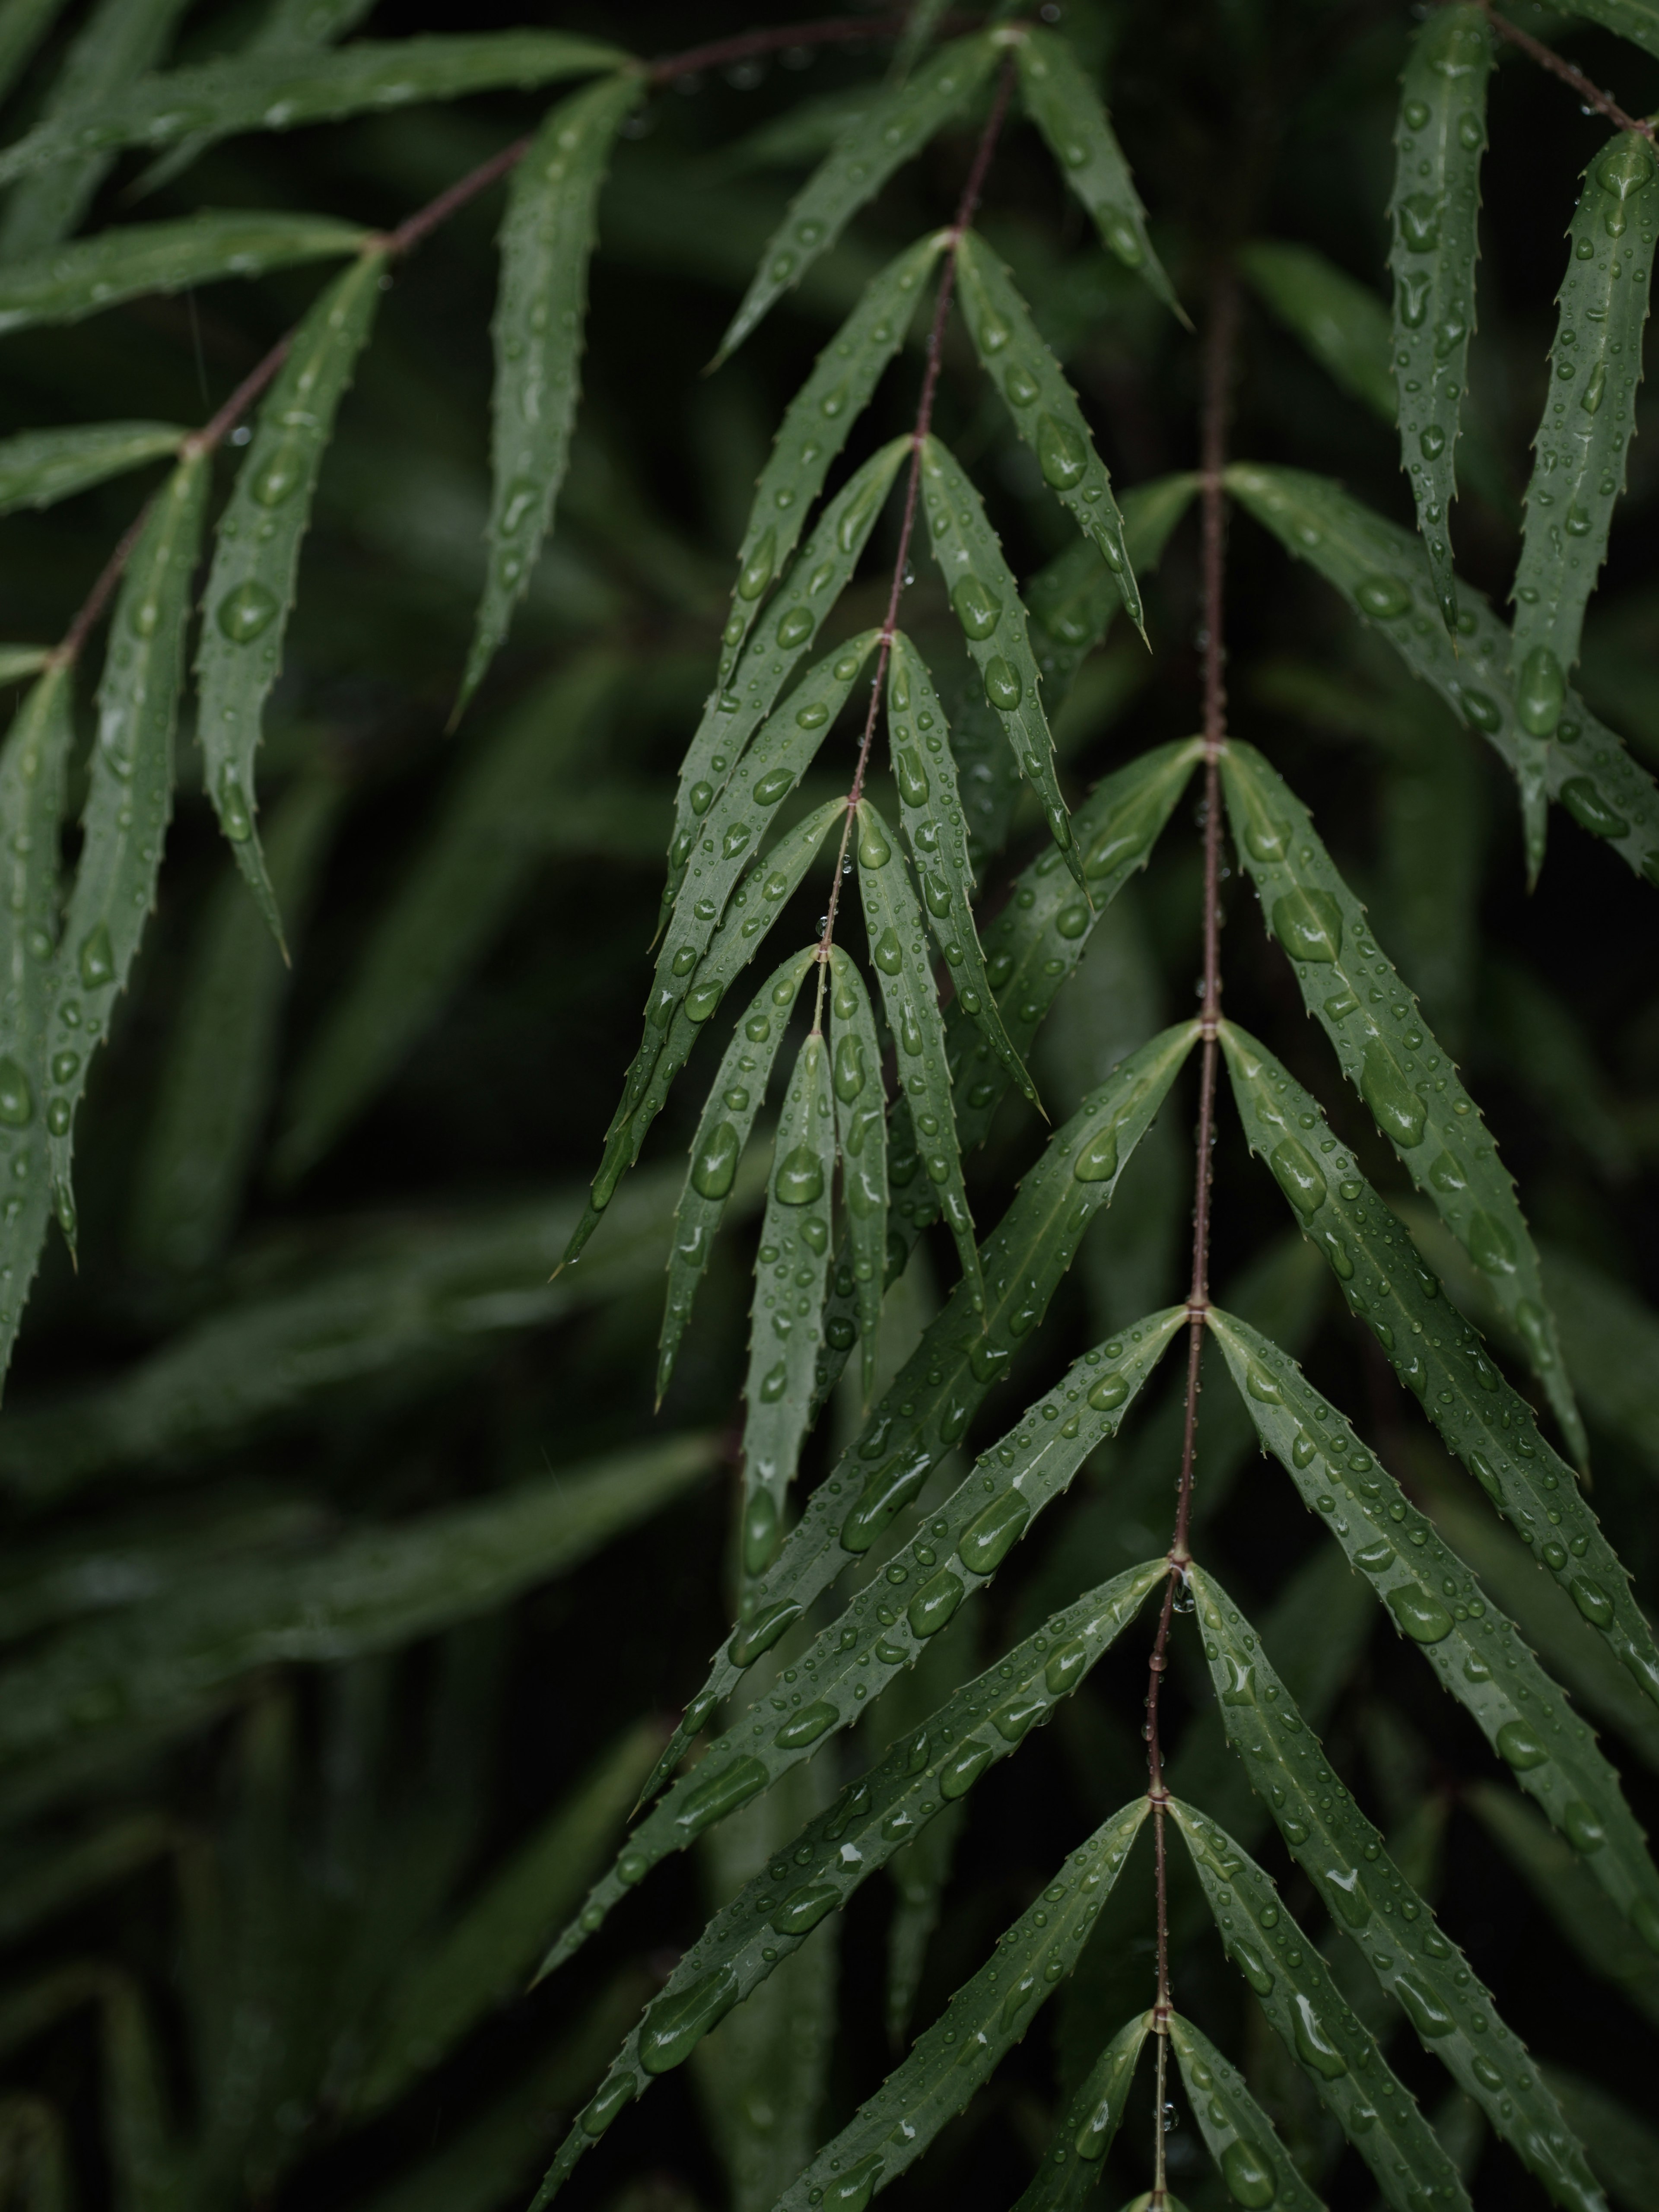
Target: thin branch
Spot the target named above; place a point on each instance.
(98, 598)
(419, 227)
(829, 31)
(1547, 57)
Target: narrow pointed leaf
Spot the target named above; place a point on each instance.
(881, 1633)
(1398, 1067)
(34, 762)
(541, 311)
(986, 603)
(893, 128)
(1043, 408)
(1070, 2168)
(873, 1819)
(919, 1874)
(735, 1099)
(98, 272)
(1582, 440)
(1334, 2049)
(861, 1131)
(256, 559)
(23, 25)
(284, 90)
(1434, 1351)
(129, 803)
(817, 577)
(17, 661)
(986, 2017)
(1238, 2135)
(898, 946)
(1382, 572)
(925, 1411)
(1477, 1653)
(1342, 323)
(1439, 136)
(1067, 109)
(753, 907)
(1624, 2150)
(786, 1318)
(40, 467)
(1370, 1898)
(815, 428)
(929, 810)
(1635, 19)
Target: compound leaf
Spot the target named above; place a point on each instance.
(1071, 2167)
(1043, 408)
(735, 1099)
(1067, 109)
(256, 558)
(929, 810)
(1399, 1067)
(1332, 2046)
(985, 601)
(1433, 1350)
(129, 802)
(1440, 134)
(892, 129)
(861, 1129)
(1369, 1898)
(547, 235)
(876, 1817)
(1382, 572)
(898, 947)
(1238, 2135)
(40, 467)
(1477, 1653)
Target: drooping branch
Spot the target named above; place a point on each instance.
(1548, 58)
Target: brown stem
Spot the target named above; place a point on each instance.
(964, 217)
(417, 227)
(99, 597)
(1219, 347)
(1547, 57)
(827, 31)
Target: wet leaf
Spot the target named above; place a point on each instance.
(861, 1128)
(40, 467)
(98, 272)
(1072, 2165)
(1238, 2135)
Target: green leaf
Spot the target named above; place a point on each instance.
(1372, 1901)
(965, 1350)
(735, 1098)
(17, 661)
(1623, 2150)
(849, 1663)
(1382, 572)
(456, 894)
(815, 428)
(283, 90)
(893, 129)
(213, 1091)
(1439, 136)
(118, 41)
(1333, 2048)
(1072, 2166)
(33, 763)
(1433, 1350)
(1044, 411)
(1476, 1651)
(176, 1660)
(1238, 2135)
(1635, 19)
(39, 1884)
(94, 273)
(1342, 323)
(1582, 440)
(929, 810)
(482, 1956)
(872, 1821)
(819, 575)
(129, 803)
(256, 558)
(23, 25)
(785, 1319)
(1067, 109)
(898, 946)
(986, 2017)
(752, 908)
(985, 601)
(1560, 1881)
(1388, 1053)
(861, 1128)
(541, 313)
(40, 467)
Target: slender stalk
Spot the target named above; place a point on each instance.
(1220, 344)
(1547, 57)
(828, 31)
(924, 421)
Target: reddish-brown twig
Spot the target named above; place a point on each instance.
(1547, 57)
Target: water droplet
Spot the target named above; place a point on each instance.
(1481, 711)
(912, 774)
(958, 1777)
(796, 628)
(1308, 923)
(1520, 1746)
(1590, 398)
(935, 1602)
(799, 1177)
(712, 1796)
(1397, 1108)
(96, 960)
(1591, 810)
(1247, 2174)
(875, 851)
(976, 609)
(1419, 222)
(756, 571)
(1097, 1161)
(1582, 1828)
(1385, 597)
(1299, 1176)
(1423, 1617)
(804, 1728)
(1313, 2043)
(245, 613)
(607, 2102)
(715, 1162)
(1423, 2007)
(801, 1912)
(16, 1098)
(1061, 454)
(675, 2025)
(1540, 692)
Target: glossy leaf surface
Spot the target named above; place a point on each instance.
(861, 1133)
(1071, 2170)
(1238, 2135)
(97, 272)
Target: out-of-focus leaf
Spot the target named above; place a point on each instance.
(17, 661)
(23, 25)
(1623, 2149)
(98, 272)
(40, 1880)
(1343, 323)
(38, 467)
